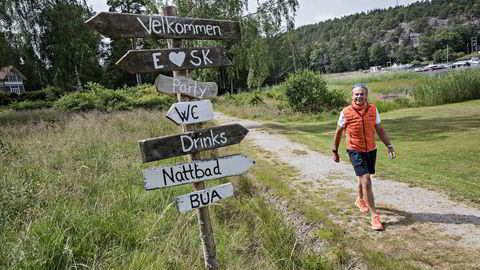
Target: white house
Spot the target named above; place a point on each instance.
(11, 80)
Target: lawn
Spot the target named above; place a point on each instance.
(437, 146)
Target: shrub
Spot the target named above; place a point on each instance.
(31, 105)
(4, 99)
(154, 101)
(307, 91)
(76, 102)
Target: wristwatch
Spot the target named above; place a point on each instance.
(334, 151)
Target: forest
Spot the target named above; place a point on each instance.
(50, 44)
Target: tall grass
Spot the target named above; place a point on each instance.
(71, 197)
(453, 87)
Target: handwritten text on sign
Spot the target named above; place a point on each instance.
(144, 61)
(191, 112)
(132, 25)
(185, 86)
(196, 171)
(192, 142)
(203, 198)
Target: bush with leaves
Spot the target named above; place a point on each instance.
(307, 91)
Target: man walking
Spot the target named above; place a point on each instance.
(360, 120)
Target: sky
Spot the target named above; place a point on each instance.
(310, 11)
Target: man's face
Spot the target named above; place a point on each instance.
(359, 95)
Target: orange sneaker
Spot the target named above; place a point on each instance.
(376, 224)
(360, 203)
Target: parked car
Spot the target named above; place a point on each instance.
(460, 64)
(474, 61)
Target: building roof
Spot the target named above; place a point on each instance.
(4, 71)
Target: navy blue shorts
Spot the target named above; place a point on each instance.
(363, 162)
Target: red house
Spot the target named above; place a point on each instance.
(11, 80)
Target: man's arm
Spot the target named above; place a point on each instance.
(386, 140)
(336, 142)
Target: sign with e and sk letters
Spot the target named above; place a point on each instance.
(185, 86)
(203, 198)
(182, 113)
(124, 25)
(160, 60)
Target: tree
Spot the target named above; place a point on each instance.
(378, 55)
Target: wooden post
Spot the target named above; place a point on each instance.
(206, 232)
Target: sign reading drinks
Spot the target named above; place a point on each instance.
(144, 61)
(197, 171)
(185, 86)
(123, 25)
(191, 142)
(203, 198)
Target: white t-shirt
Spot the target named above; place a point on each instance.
(341, 119)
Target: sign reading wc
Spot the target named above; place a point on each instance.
(191, 112)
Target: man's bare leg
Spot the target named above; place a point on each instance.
(360, 189)
(366, 184)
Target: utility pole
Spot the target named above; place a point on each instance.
(447, 53)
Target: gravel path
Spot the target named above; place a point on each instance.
(421, 206)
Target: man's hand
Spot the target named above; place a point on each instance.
(336, 157)
(391, 152)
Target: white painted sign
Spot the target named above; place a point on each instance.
(190, 112)
(203, 198)
(185, 86)
(196, 171)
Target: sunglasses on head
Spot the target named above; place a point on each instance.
(360, 85)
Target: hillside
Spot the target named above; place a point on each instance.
(420, 31)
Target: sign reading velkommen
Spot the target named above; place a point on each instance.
(122, 25)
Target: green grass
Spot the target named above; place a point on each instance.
(71, 196)
(437, 146)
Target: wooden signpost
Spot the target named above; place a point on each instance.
(196, 171)
(123, 25)
(203, 198)
(192, 142)
(187, 113)
(144, 61)
(185, 86)
(190, 112)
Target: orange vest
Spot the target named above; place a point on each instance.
(360, 128)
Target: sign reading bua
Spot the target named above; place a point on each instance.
(191, 112)
(196, 171)
(203, 198)
(185, 86)
(122, 25)
(157, 60)
(192, 142)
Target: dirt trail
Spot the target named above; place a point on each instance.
(436, 219)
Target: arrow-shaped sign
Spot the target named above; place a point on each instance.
(192, 142)
(203, 198)
(185, 86)
(158, 60)
(190, 112)
(200, 170)
(124, 25)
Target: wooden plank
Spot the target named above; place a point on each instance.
(185, 86)
(190, 112)
(196, 171)
(191, 142)
(125, 25)
(159, 60)
(203, 198)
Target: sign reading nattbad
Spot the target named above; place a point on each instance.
(191, 112)
(197, 171)
(185, 86)
(192, 142)
(157, 60)
(122, 25)
(203, 198)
